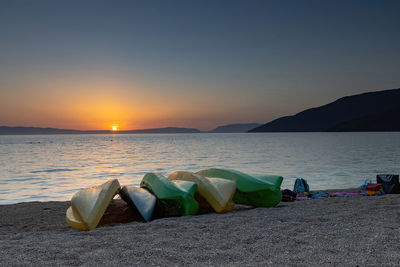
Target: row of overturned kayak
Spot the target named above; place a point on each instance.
(185, 193)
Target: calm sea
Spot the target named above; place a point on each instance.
(54, 167)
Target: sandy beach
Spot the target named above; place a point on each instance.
(343, 231)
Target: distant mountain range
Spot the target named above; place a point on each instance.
(235, 128)
(374, 111)
(163, 130)
(232, 128)
(36, 130)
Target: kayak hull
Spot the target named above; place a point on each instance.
(89, 204)
(141, 200)
(74, 220)
(178, 195)
(263, 198)
(259, 191)
(217, 192)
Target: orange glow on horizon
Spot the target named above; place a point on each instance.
(115, 128)
(100, 102)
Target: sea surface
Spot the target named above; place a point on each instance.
(54, 167)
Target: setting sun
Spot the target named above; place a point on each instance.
(115, 128)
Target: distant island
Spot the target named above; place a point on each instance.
(37, 130)
(163, 130)
(373, 111)
(5, 130)
(232, 128)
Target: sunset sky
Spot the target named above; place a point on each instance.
(147, 64)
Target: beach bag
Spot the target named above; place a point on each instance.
(301, 186)
(390, 183)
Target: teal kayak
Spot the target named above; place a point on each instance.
(178, 195)
(272, 179)
(257, 190)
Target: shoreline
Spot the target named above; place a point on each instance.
(341, 231)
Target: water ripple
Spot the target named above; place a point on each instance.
(55, 170)
(57, 166)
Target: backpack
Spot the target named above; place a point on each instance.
(390, 183)
(301, 186)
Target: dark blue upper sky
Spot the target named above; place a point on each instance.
(208, 62)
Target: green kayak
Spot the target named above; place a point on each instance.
(178, 195)
(255, 190)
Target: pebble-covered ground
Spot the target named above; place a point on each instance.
(331, 232)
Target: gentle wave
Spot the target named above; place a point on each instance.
(63, 164)
(56, 170)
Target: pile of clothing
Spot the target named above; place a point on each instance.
(385, 184)
(301, 191)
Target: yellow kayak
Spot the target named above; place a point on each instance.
(89, 204)
(216, 191)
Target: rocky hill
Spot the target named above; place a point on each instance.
(235, 128)
(343, 114)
